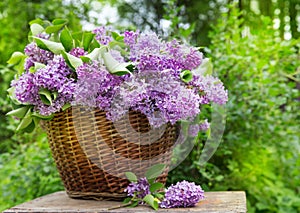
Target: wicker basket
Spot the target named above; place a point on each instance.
(92, 153)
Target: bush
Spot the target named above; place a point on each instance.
(261, 144)
(27, 172)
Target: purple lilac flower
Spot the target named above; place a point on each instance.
(193, 130)
(55, 77)
(160, 96)
(139, 189)
(35, 54)
(95, 86)
(211, 89)
(117, 55)
(146, 45)
(26, 90)
(101, 35)
(186, 57)
(205, 125)
(149, 52)
(183, 194)
(77, 51)
(130, 37)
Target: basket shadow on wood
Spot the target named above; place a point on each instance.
(92, 153)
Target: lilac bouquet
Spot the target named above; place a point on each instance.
(146, 190)
(168, 81)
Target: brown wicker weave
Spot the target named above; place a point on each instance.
(92, 153)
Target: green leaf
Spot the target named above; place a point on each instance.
(186, 76)
(206, 68)
(127, 200)
(25, 122)
(45, 96)
(36, 21)
(160, 195)
(54, 28)
(131, 176)
(66, 39)
(117, 37)
(77, 38)
(59, 21)
(120, 73)
(66, 106)
(71, 60)
(44, 117)
(16, 58)
(30, 127)
(36, 29)
(156, 186)
(87, 39)
(52, 46)
(149, 199)
(20, 112)
(38, 65)
(114, 66)
(94, 44)
(85, 59)
(134, 204)
(97, 53)
(154, 171)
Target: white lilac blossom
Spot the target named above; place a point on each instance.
(182, 194)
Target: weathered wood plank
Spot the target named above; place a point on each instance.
(217, 202)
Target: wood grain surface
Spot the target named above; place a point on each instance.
(221, 202)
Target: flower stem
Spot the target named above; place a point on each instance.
(119, 206)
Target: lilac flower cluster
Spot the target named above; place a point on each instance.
(54, 77)
(211, 89)
(35, 54)
(160, 96)
(149, 52)
(101, 35)
(154, 87)
(95, 86)
(183, 194)
(195, 128)
(139, 189)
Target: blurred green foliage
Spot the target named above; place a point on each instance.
(27, 172)
(261, 144)
(260, 148)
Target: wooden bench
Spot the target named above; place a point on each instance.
(222, 202)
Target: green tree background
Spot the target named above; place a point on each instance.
(254, 46)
